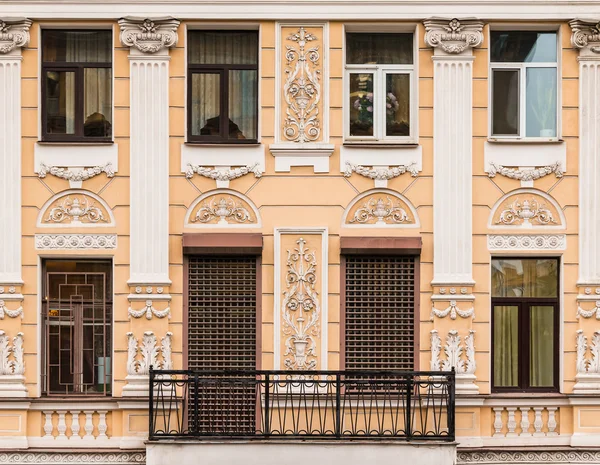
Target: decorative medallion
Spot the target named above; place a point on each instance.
(302, 88)
(527, 174)
(380, 208)
(453, 350)
(147, 35)
(11, 358)
(301, 309)
(75, 208)
(13, 34)
(526, 209)
(527, 242)
(222, 208)
(453, 36)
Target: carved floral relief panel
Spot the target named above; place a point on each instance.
(75, 208)
(222, 208)
(302, 302)
(301, 109)
(380, 208)
(527, 209)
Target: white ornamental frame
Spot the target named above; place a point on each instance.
(386, 192)
(323, 263)
(188, 224)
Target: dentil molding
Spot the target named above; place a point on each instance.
(13, 34)
(149, 35)
(453, 36)
(586, 36)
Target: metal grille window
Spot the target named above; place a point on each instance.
(380, 298)
(77, 318)
(222, 335)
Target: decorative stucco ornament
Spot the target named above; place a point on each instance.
(223, 208)
(13, 34)
(381, 174)
(149, 35)
(385, 211)
(149, 310)
(528, 211)
(528, 174)
(586, 34)
(219, 174)
(453, 36)
(453, 311)
(75, 175)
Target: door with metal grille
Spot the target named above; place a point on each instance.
(77, 317)
(222, 297)
(380, 295)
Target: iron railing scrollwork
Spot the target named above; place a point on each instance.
(302, 404)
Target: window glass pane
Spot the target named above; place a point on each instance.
(205, 104)
(525, 278)
(506, 346)
(392, 49)
(217, 47)
(97, 111)
(60, 102)
(541, 346)
(361, 104)
(523, 46)
(242, 104)
(397, 105)
(505, 102)
(540, 98)
(77, 46)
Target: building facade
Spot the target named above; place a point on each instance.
(308, 186)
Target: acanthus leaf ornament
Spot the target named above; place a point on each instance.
(381, 174)
(301, 309)
(141, 355)
(75, 175)
(586, 365)
(453, 36)
(302, 89)
(76, 210)
(13, 34)
(219, 174)
(147, 35)
(586, 34)
(16, 366)
(10, 313)
(224, 208)
(384, 211)
(459, 356)
(453, 311)
(149, 310)
(527, 174)
(527, 212)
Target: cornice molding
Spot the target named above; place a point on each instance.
(14, 33)
(149, 35)
(453, 36)
(586, 36)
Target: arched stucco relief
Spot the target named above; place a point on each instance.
(75, 208)
(222, 208)
(380, 208)
(527, 208)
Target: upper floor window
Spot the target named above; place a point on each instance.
(379, 87)
(223, 86)
(525, 324)
(77, 85)
(524, 74)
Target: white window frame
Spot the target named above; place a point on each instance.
(522, 67)
(379, 110)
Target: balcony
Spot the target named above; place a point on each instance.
(313, 415)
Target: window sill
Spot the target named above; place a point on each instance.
(77, 142)
(390, 145)
(222, 144)
(494, 140)
(524, 153)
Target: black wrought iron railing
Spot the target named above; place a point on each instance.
(311, 404)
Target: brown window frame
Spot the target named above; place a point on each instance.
(524, 304)
(78, 68)
(223, 71)
(382, 246)
(108, 331)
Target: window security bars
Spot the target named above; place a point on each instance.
(311, 404)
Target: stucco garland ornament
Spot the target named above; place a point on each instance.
(222, 174)
(589, 313)
(381, 174)
(530, 174)
(453, 36)
(453, 311)
(13, 35)
(11, 313)
(75, 175)
(149, 310)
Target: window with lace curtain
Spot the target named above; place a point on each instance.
(223, 86)
(76, 85)
(525, 324)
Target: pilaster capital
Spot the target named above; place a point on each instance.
(586, 37)
(453, 36)
(149, 35)
(14, 33)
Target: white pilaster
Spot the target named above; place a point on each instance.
(587, 39)
(14, 34)
(149, 177)
(453, 41)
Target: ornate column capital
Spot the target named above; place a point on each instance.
(453, 36)
(14, 33)
(149, 35)
(586, 36)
